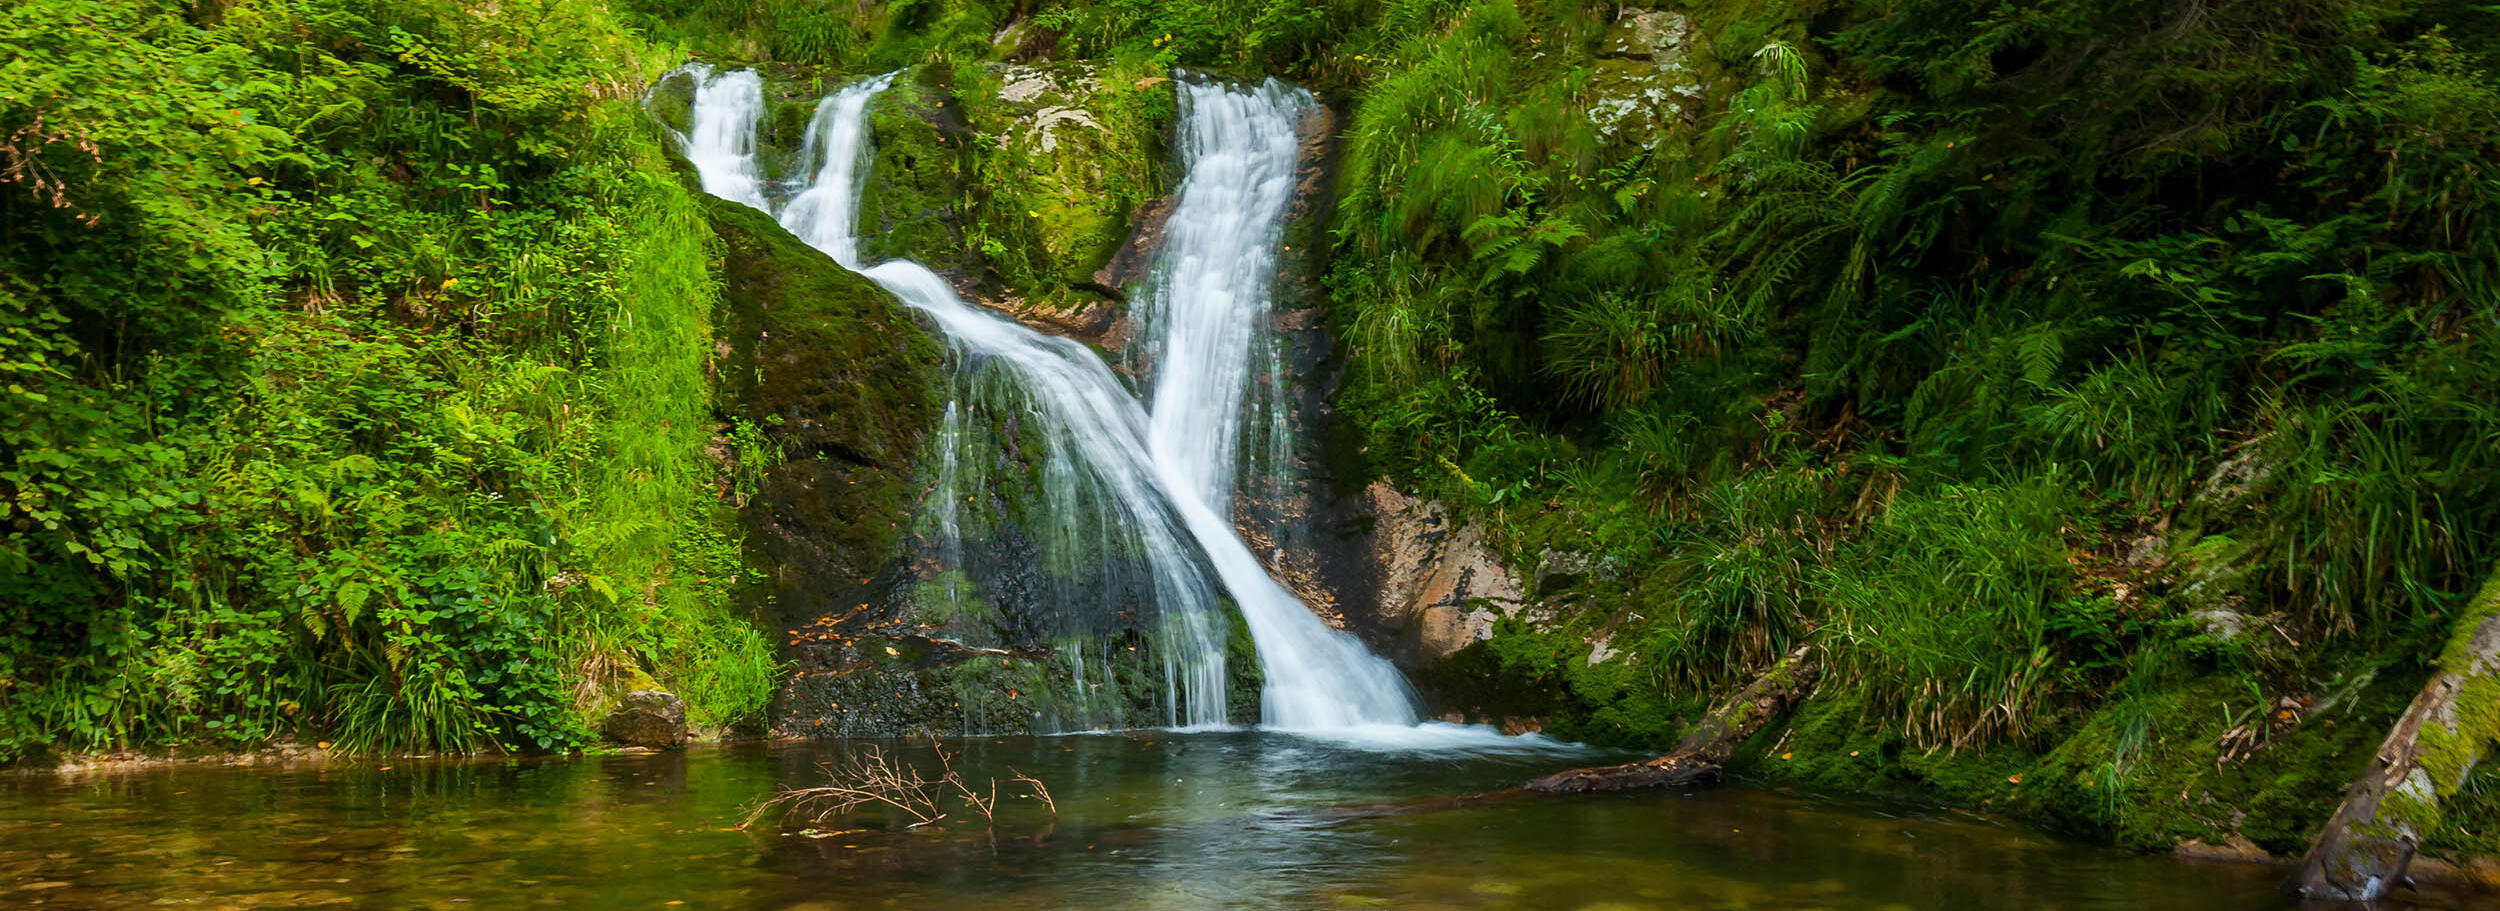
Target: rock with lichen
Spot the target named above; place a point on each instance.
(1641, 85)
(647, 718)
(1068, 156)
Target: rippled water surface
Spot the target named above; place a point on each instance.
(1146, 821)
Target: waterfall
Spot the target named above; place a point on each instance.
(720, 139)
(1207, 315)
(1094, 429)
(1167, 475)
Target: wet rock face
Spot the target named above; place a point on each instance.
(648, 718)
(1440, 586)
(1003, 628)
(1642, 84)
(898, 680)
(844, 385)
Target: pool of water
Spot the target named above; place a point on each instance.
(1145, 821)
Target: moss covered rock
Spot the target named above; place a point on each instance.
(843, 387)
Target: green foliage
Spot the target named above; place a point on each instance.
(1937, 326)
(1945, 610)
(357, 381)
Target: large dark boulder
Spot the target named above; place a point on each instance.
(845, 385)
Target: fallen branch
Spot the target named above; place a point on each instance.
(1699, 755)
(1039, 790)
(2365, 848)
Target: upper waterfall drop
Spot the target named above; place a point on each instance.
(1207, 306)
(1167, 473)
(720, 137)
(825, 213)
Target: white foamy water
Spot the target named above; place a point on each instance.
(720, 139)
(1207, 313)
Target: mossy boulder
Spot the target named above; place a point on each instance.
(1069, 152)
(845, 385)
(647, 718)
(1642, 84)
(914, 206)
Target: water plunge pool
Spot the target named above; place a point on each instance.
(1147, 820)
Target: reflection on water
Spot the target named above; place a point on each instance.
(1147, 821)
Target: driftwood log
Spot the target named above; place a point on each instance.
(1697, 757)
(2449, 728)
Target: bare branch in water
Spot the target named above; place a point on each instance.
(866, 776)
(1038, 789)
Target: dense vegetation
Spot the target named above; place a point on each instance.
(2070, 375)
(2097, 386)
(355, 388)
(2102, 388)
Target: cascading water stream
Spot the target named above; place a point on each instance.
(720, 139)
(1095, 431)
(1169, 473)
(1207, 312)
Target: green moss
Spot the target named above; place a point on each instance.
(1066, 152)
(999, 695)
(2448, 753)
(846, 385)
(2140, 771)
(2470, 820)
(950, 598)
(1526, 672)
(914, 208)
(2454, 814)
(2456, 657)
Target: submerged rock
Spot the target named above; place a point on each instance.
(648, 718)
(2233, 847)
